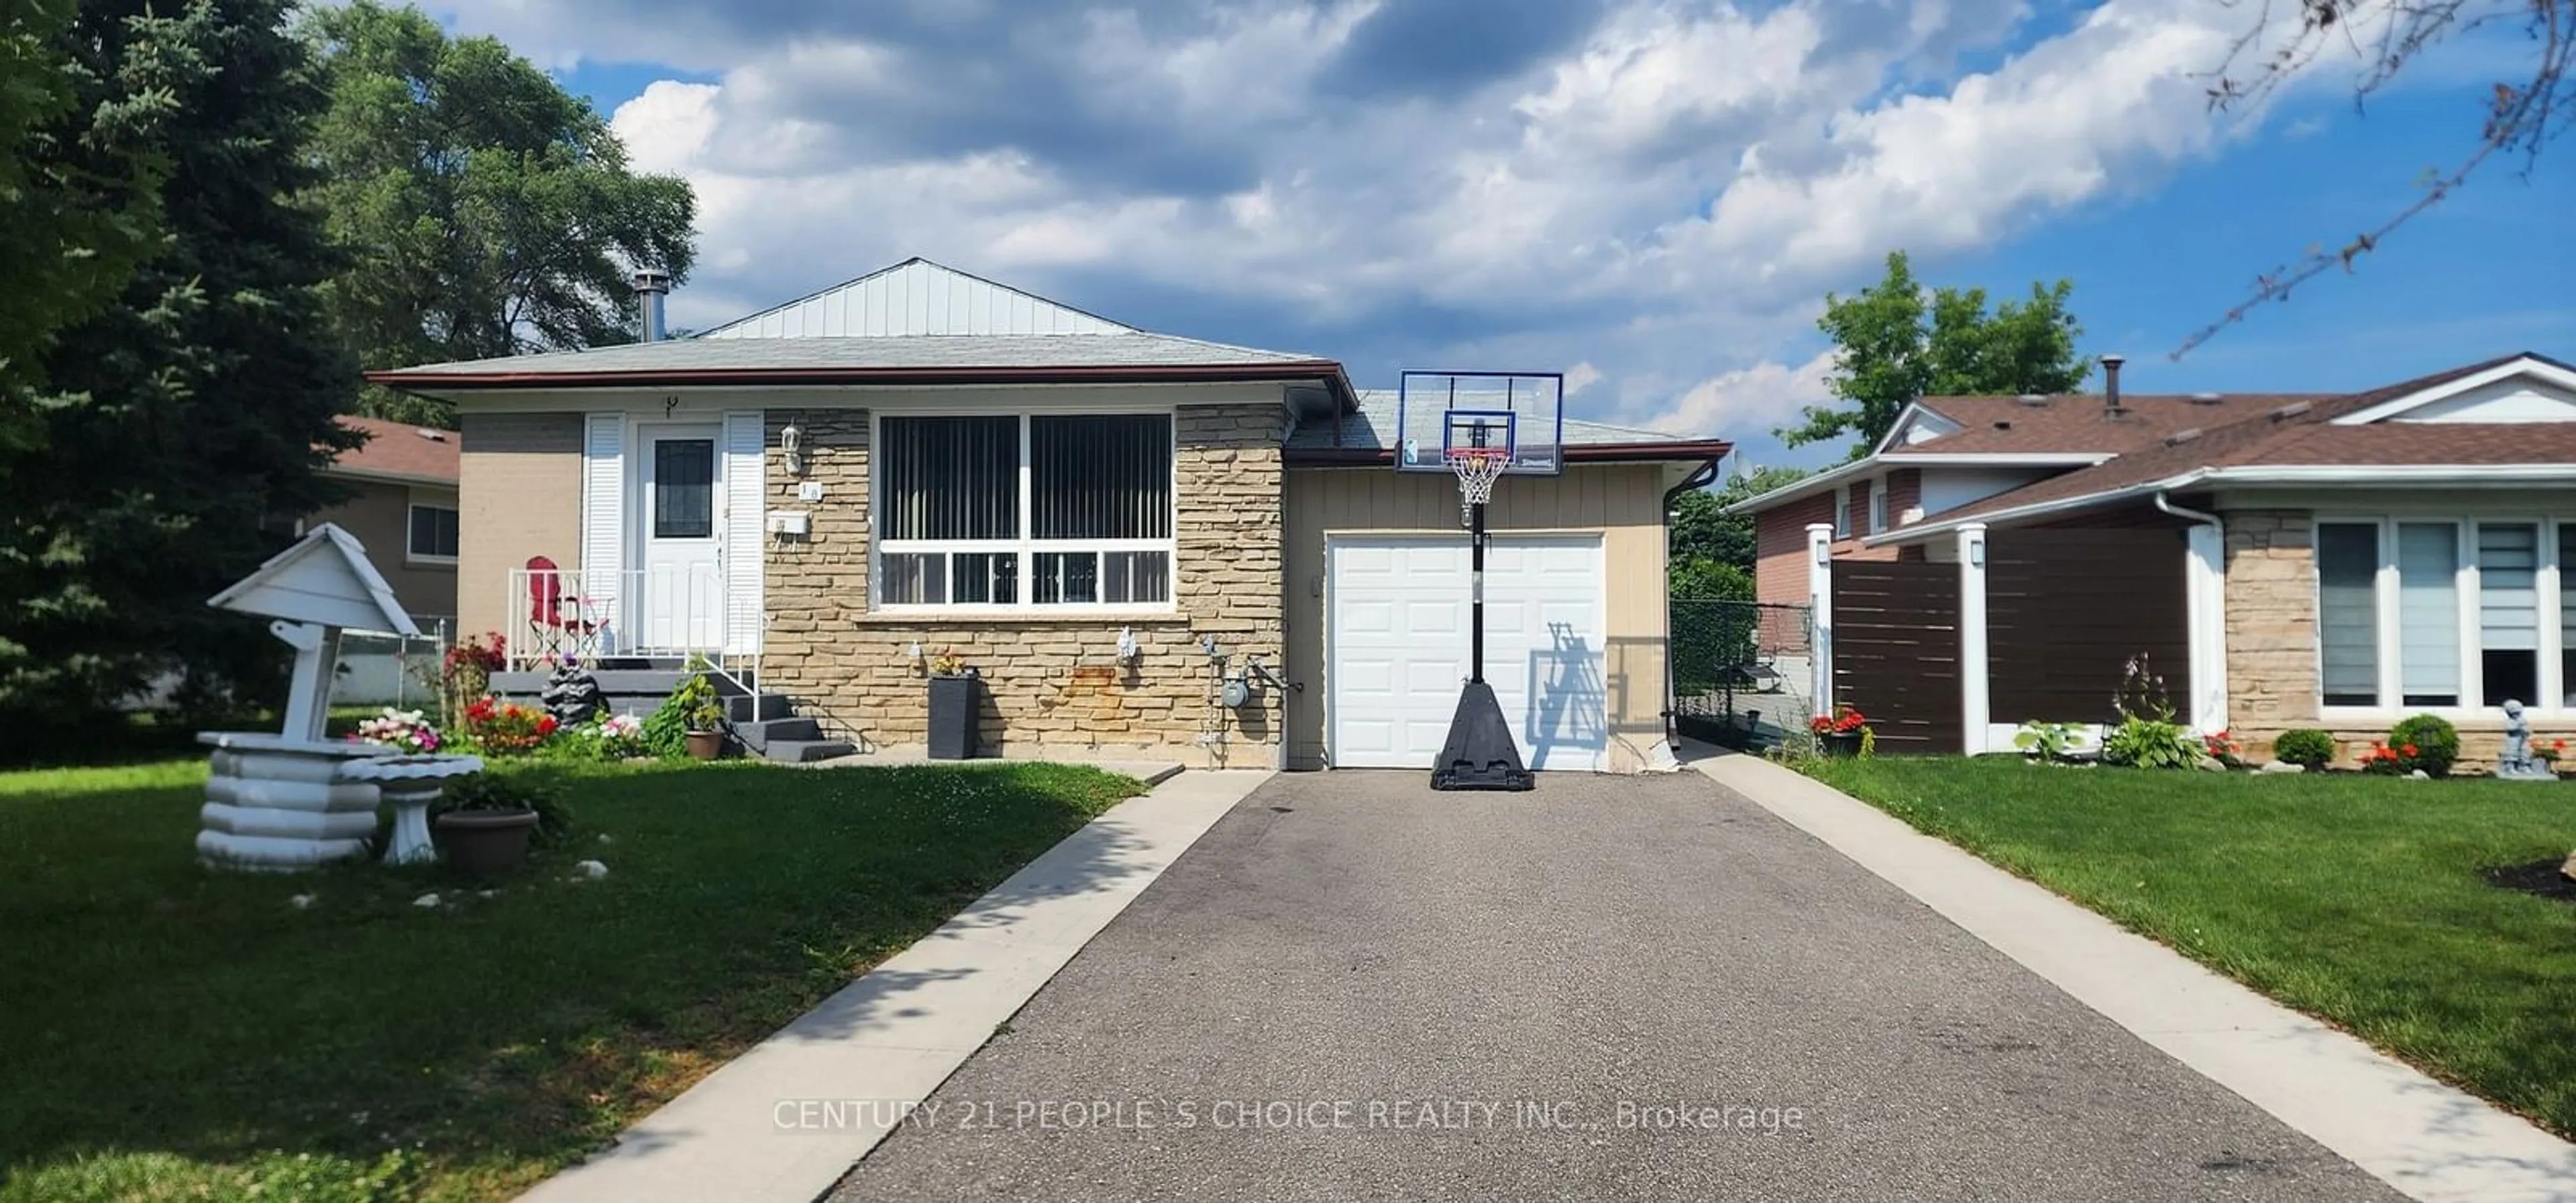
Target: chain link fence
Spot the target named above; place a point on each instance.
(400, 671)
(1741, 671)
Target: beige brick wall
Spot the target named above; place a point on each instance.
(1049, 683)
(520, 491)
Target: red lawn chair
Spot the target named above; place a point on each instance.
(554, 616)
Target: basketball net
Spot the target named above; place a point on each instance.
(1477, 468)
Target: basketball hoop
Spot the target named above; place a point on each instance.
(1477, 468)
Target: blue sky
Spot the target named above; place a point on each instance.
(1652, 195)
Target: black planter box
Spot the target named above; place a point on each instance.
(953, 707)
(1840, 743)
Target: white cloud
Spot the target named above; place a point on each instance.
(1748, 401)
(1659, 201)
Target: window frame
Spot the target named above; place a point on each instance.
(1878, 506)
(2467, 619)
(411, 506)
(1842, 512)
(1026, 548)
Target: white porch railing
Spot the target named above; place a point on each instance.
(651, 613)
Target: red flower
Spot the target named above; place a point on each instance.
(2410, 749)
(546, 725)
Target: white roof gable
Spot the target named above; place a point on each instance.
(917, 297)
(324, 578)
(2525, 389)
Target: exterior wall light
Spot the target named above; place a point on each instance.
(791, 447)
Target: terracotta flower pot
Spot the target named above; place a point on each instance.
(705, 745)
(486, 842)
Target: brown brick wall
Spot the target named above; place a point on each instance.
(378, 514)
(1049, 683)
(519, 483)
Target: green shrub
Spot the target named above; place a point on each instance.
(2306, 747)
(2149, 743)
(2047, 741)
(666, 730)
(2435, 743)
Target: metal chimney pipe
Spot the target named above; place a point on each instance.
(650, 287)
(2111, 382)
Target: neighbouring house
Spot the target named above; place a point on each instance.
(1107, 524)
(2286, 560)
(403, 509)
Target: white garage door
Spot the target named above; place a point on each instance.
(1397, 638)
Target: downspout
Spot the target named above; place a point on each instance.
(1699, 479)
(2207, 672)
(2164, 502)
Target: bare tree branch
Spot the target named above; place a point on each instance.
(2387, 36)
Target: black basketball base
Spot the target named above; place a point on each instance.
(1479, 753)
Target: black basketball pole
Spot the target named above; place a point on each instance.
(1476, 604)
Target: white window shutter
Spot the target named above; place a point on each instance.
(745, 491)
(603, 520)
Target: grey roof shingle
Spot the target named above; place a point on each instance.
(1372, 426)
(900, 352)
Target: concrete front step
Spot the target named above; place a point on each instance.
(758, 736)
(806, 751)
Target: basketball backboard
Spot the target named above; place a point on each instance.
(1437, 410)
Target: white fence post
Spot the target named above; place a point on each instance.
(1820, 612)
(1974, 705)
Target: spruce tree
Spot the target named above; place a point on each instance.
(180, 426)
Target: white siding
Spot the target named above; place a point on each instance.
(918, 297)
(1950, 488)
(603, 505)
(739, 555)
(2520, 399)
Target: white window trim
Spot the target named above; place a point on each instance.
(1027, 549)
(2550, 705)
(1842, 512)
(413, 557)
(1878, 506)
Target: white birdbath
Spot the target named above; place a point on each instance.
(411, 783)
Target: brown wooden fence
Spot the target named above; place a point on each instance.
(2066, 609)
(1896, 651)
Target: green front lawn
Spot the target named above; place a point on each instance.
(169, 1032)
(2361, 900)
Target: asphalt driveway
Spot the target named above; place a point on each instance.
(1610, 988)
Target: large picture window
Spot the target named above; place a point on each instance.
(1054, 510)
(2445, 613)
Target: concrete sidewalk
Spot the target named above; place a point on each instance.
(788, 1118)
(2429, 1140)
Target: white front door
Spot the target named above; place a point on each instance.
(676, 603)
(1398, 646)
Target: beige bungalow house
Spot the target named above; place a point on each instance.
(1107, 524)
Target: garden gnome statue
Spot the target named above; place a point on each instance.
(572, 695)
(2516, 762)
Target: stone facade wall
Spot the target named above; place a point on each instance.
(2272, 646)
(1049, 682)
(2271, 595)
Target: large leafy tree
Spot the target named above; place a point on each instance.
(177, 423)
(1897, 341)
(1702, 530)
(485, 210)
